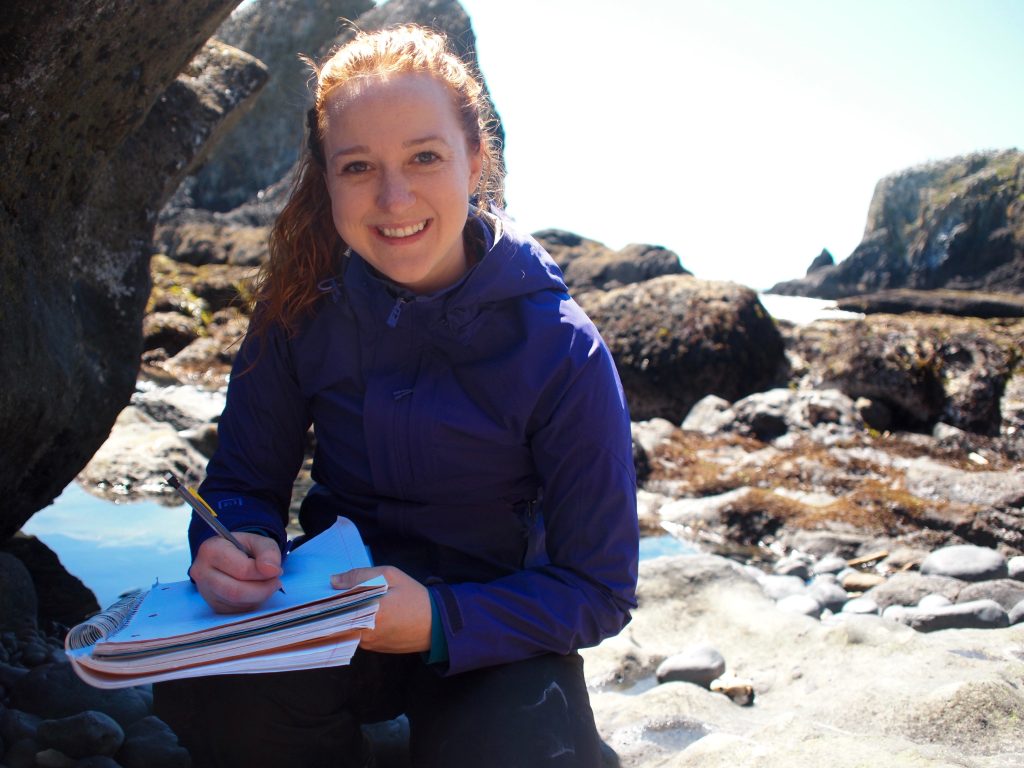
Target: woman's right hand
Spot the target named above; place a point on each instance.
(232, 582)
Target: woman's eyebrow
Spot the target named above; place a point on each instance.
(424, 140)
(358, 149)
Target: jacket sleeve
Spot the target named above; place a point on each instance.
(583, 454)
(260, 447)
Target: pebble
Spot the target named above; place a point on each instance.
(778, 587)
(860, 605)
(967, 562)
(830, 563)
(978, 614)
(933, 601)
(802, 604)
(828, 594)
(699, 664)
(741, 691)
(82, 734)
(1016, 614)
(859, 581)
(1006, 592)
(150, 743)
(1015, 567)
(798, 565)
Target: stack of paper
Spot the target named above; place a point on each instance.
(169, 632)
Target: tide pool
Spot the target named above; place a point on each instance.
(114, 547)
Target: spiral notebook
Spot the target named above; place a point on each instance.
(169, 632)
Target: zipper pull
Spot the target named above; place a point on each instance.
(396, 312)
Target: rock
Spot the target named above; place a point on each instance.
(272, 129)
(698, 664)
(966, 562)
(779, 587)
(828, 594)
(120, 129)
(1006, 592)
(954, 223)
(859, 581)
(81, 735)
(1015, 568)
(831, 563)
(804, 604)
(921, 369)
(137, 455)
(182, 407)
(676, 339)
(62, 597)
(861, 605)
(709, 415)
(908, 588)
(150, 743)
(98, 761)
(936, 301)
(978, 614)
(930, 479)
(739, 690)
(53, 691)
(16, 725)
(18, 605)
(822, 260)
(793, 564)
(588, 265)
(1016, 614)
(930, 602)
(21, 754)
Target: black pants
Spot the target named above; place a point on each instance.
(528, 714)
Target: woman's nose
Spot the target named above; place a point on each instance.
(395, 193)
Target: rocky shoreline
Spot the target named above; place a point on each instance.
(815, 531)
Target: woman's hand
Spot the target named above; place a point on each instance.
(403, 619)
(232, 582)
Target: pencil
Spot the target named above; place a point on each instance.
(205, 512)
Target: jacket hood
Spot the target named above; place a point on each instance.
(512, 265)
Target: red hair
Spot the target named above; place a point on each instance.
(305, 247)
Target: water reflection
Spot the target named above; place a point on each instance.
(114, 547)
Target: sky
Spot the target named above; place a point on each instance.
(745, 135)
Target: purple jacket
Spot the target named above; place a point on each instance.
(478, 437)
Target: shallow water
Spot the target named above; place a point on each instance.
(116, 547)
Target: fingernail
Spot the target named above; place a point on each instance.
(338, 581)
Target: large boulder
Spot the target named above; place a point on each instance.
(676, 339)
(922, 368)
(589, 265)
(956, 223)
(275, 32)
(98, 128)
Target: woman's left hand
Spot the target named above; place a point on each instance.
(403, 619)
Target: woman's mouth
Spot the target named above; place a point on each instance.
(406, 231)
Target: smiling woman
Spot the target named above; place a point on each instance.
(469, 420)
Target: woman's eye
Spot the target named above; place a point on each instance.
(356, 166)
(426, 157)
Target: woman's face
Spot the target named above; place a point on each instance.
(400, 174)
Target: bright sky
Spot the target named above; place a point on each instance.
(746, 135)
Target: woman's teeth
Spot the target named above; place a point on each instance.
(402, 231)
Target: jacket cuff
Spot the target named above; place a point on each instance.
(438, 642)
(238, 513)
